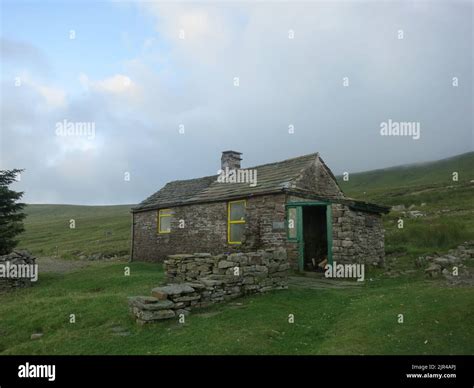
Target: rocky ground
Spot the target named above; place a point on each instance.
(101, 256)
(453, 266)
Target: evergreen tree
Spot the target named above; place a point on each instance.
(11, 215)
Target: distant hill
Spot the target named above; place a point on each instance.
(429, 174)
(98, 229)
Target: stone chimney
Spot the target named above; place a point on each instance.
(231, 160)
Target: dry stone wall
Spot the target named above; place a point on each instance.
(201, 279)
(17, 259)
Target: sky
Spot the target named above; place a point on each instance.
(104, 102)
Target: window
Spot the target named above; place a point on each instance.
(235, 221)
(292, 223)
(164, 221)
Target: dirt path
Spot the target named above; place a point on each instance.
(57, 265)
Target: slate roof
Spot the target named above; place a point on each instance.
(271, 178)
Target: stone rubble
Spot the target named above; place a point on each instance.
(414, 214)
(17, 257)
(436, 266)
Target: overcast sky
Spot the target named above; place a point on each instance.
(138, 72)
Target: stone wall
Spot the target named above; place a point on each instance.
(317, 180)
(455, 266)
(205, 229)
(293, 254)
(202, 279)
(358, 237)
(16, 258)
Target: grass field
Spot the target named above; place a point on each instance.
(437, 318)
(413, 175)
(98, 229)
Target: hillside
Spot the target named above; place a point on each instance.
(429, 183)
(98, 229)
(429, 173)
(445, 207)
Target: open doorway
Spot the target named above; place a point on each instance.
(315, 238)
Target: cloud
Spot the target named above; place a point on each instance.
(23, 54)
(138, 106)
(201, 31)
(116, 84)
(54, 97)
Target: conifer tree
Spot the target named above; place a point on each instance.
(11, 215)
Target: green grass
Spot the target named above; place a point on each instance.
(98, 229)
(346, 321)
(421, 236)
(423, 174)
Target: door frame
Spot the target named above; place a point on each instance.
(299, 227)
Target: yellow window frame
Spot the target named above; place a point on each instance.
(230, 222)
(160, 216)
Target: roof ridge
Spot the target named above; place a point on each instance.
(282, 161)
(191, 179)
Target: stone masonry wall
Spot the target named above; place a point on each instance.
(316, 179)
(358, 237)
(202, 279)
(205, 229)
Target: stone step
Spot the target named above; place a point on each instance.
(162, 293)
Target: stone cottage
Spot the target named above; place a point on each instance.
(296, 204)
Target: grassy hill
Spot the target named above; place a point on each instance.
(428, 183)
(430, 174)
(98, 229)
(447, 206)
